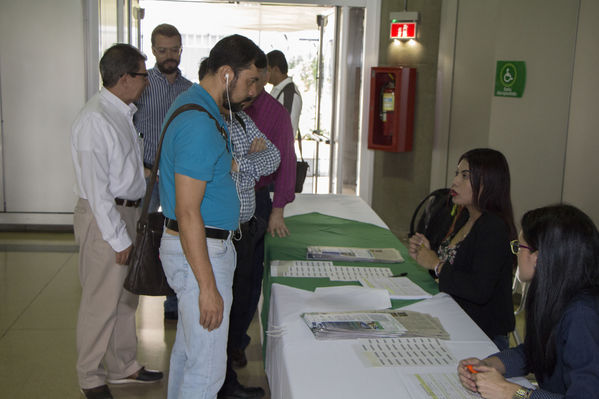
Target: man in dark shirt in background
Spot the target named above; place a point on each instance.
(273, 120)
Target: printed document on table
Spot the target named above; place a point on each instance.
(398, 287)
(419, 324)
(355, 273)
(436, 385)
(413, 352)
(312, 268)
(300, 268)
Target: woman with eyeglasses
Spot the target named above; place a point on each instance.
(474, 263)
(558, 253)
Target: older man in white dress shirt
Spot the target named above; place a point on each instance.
(107, 156)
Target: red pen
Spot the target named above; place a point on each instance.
(471, 368)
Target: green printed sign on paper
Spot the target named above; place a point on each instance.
(510, 78)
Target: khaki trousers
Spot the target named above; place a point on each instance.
(106, 337)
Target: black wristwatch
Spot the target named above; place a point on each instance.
(522, 393)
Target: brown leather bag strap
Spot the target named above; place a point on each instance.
(152, 182)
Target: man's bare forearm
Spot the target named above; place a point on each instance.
(193, 240)
(192, 234)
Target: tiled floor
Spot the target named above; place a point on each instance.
(39, 298)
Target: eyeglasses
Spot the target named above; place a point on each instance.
(134, 74)
(515, 246)
(164, 50)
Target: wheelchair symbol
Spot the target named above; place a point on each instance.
(508, 75)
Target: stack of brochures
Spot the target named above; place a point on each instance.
(374, 324)
(379, 255)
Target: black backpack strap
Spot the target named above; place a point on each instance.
(288, 92)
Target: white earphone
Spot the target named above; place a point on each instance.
(230, 143)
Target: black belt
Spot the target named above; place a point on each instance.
(218, 234)
(129, 203)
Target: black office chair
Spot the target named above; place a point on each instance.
(434, 216)
(519, 288)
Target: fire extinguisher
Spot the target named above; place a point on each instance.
(388, 106)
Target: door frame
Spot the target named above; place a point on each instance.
(372, 21)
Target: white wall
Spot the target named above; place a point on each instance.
(581, 181)
(532, 130)
(42, 81)
(547, 135)
(474, 63)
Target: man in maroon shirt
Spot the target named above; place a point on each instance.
(274, 121)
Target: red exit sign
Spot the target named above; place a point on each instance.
(403, 30)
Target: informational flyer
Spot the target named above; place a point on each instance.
(379, 255)
(398, 287)
(394, 352)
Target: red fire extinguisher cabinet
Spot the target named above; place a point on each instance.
(391, 116)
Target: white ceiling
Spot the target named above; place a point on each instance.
(250, 16)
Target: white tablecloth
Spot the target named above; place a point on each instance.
(344, 206)
(300, 367)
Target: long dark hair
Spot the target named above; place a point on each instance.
(567, 242)
(490, 172)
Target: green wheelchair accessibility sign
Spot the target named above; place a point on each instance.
(510, 78)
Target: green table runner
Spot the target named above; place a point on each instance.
(323, 230)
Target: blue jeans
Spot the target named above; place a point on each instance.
(199, 356)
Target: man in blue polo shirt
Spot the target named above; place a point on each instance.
(199, 200)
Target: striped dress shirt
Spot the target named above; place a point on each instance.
(152, 107)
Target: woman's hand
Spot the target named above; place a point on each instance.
(416, 242)
(467, 378)
(492, 385)
(420, 249)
